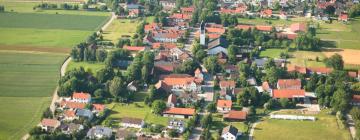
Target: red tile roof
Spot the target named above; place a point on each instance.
(99, 107)
(352, 74)
(343, 16)
(215, 30)
(298, 27)
(355, 98)
(289, 83)
(227, 84)
(267, 12)
(263, 28)
(164, 45)
(81, 95)
(294, 68)
(288, 93)
(150, 26)
(50, 122)
(236, 115)
(213, 36)
(180, 16)
(244, 27)
(134, 48)
(224, 103)
(286, 35)
(179, 111)
(72, 105)
(172, 99)
(69, 113)
(322, 70)
(187, 9)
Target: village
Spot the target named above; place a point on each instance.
(196, 73)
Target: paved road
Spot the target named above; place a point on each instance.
(351, 124)
(196, 133)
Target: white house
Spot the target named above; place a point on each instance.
(132, 122)
(81, 97)
(49, 124)
(229, 133)
(99, 132)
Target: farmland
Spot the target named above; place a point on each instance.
(31, 54)
(324, 128)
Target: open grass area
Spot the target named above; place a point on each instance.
(324, 128)
(307, 58)
(19, 115)
(272, 53)
(135, 110)
(93, 67)
(273, 22)
(29, 74)
(27, 7)
(123, 27)
(345, 36)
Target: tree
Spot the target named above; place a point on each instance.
(335, 61)
(105, 74)
(232, 53)
(340, 100)
(122, 42)
(116, 87)
(75, 54)
(211, 107)
(212, 65)
(101, 55)
(206, 121)
(47, 114)
(172, 133)
(330, 10)
(2, 8)
(158, 106)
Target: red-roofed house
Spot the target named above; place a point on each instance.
(343, 17)
(97, 108)
(264, 28)
(285, 35)
(289, 93)
(72, 105)
(134, 13)
(49, 124)
(355, 100)
(70, 115)
(352, 74)
(81, 97)
(187, 10)
(134, 48)
(183, 82)
(266, 13)
(235, 116)
(224, 106)
(166, 46)
(244, 27)
(298, 27)
(151, 27)
(294, 68)
(320, 70)
(224, 85)
(177, 17)
(289, 84)
(179, 112)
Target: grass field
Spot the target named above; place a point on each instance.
(35, 73)
(65, 22)
(346, 36)
(123, 27)
(325, 128)
(274, 22)
(33, 46)
(19, 115)
(307, 58)
(135, 110)
(27, 7)
(93, 67)
(272, 53)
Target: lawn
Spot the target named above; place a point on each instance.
(135, 110)
(93, 67)
(272, 53)
(29, 74)
(324, 128)
(274, 22)
(123, 27)
(307, 58)
(346, 36)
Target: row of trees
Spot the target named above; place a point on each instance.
(307, 41)
(63, 6)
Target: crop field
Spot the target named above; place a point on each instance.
(33, 45)
(53, 21)
(274, 22)
(27, 7)
(307, 58)
(38, 73)
(324, 128)
(19, 115)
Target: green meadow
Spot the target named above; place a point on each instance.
(33, 45)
